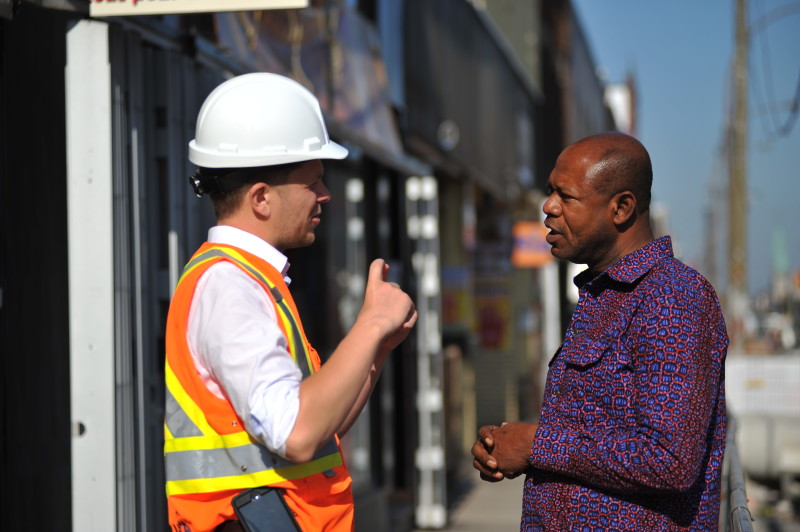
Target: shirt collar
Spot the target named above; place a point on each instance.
(633, 265)
(232, 236)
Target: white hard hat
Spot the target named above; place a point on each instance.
(260, 119)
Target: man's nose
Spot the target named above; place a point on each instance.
(550, 206)
(323, 194)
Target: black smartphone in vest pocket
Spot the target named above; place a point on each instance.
(264, 510)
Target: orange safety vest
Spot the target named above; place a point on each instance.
(208, 455)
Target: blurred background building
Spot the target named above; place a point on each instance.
(454, 112)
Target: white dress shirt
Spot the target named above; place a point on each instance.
(237, 346)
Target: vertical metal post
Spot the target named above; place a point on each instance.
(551, 303)
(423, 229)
(124, 66)
(736, 515)
(91, 276)
(356, 269)
(737, 214)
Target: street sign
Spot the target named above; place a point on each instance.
(531, 249)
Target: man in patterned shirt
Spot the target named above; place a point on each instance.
(631, 434)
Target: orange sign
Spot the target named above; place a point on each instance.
(531, 249)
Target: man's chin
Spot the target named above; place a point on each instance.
(562, 254)
(310, 239)
(304, 243)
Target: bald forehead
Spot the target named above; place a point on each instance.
(606, 146)
(612, 163)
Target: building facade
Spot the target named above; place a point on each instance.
(453, 113)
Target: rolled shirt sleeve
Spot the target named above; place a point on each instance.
(241, 353)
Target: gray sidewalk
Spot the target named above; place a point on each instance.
(488, 507)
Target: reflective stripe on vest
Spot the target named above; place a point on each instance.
(200, 460)
(296, 343)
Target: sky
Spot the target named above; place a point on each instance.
(681, 54)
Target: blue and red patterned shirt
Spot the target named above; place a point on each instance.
(632, 429)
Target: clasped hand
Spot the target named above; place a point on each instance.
(504, 451)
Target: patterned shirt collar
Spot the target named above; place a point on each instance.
(633, 265)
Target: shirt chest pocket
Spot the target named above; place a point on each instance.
(583, 352)
(596, 381)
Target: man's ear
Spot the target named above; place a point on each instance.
(258, 198)
(624, 207)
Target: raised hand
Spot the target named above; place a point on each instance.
(387, 306)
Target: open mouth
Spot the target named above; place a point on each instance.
(552, 235)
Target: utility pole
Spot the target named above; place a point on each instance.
(737, 189)
(710, 259)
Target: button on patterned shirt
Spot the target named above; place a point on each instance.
(632, 429)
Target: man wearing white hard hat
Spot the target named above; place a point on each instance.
(252, 419)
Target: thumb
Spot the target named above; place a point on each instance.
(378, 271)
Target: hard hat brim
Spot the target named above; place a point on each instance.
(212, 159)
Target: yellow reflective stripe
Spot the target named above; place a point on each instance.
(262, 478)
(287, 326)
(295, 328)
(191, 265)
(290, 321)
(186, 403)
(295, 340)
(200, 443)
(167, 434)
(233, 253)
